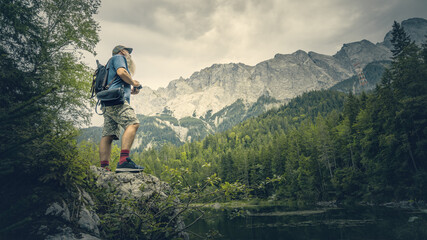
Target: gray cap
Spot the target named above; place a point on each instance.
(118, 48)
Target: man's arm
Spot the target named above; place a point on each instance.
(125, 76)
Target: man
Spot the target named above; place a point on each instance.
(120, 66)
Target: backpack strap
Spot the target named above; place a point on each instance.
(92, 89)
(107, 67)
(114, 79)
(102, 107)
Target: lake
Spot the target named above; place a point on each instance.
(349, 223)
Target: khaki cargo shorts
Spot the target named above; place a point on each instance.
(118, 115)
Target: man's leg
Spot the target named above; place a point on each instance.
(129, 136)
(128, 120)
(105, 150)
(110, 132)
(127, 140)
(125, 163)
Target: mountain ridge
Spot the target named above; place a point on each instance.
(284, 76)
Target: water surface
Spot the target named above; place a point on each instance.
(348, 223)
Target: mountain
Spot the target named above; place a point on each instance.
(283, 77)
(222, 95)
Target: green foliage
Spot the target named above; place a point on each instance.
(90, 152)
(43, 93)
(197, 128)
(130, 218)
(400, 40)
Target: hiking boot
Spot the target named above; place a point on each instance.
(128, 166)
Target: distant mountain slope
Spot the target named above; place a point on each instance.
(373, 72)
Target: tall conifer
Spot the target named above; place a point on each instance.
(400, 39)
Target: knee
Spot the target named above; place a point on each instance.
(108, 139)
(133, 127)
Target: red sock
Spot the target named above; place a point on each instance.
(123, 155)
(105, 163)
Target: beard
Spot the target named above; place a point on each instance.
(131, 64)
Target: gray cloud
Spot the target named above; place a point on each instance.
(188, 19)
(176, 38)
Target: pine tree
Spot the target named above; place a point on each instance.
(400, 39)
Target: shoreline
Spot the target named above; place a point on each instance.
(256, 203)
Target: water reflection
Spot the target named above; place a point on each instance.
(338, 223)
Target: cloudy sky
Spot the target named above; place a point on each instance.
(174, 38)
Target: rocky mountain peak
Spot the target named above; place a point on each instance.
(218, 75)
(300, 53)
(362, 53)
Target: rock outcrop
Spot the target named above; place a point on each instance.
(75, 216)
(71, 217)
(130, 185)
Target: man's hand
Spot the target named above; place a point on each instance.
(136, 83)
(135, 90)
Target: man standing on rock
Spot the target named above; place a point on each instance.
(120, 70)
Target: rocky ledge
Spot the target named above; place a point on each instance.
(75, 215)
